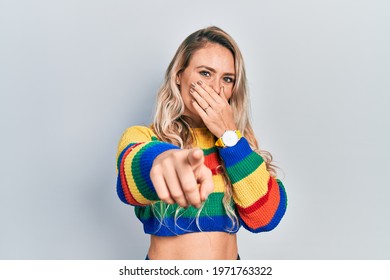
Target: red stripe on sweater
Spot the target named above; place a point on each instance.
(125, 187)
(213, 163)
(262, 211)
(259, 203)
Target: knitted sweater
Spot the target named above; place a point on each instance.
(259, 200)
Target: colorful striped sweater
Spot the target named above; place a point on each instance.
(259, 200)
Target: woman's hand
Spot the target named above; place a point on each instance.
(180, 176)
(213, 108)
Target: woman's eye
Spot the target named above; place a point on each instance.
(228, 80)
(205, 73)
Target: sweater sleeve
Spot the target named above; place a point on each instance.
(260, 199)
(137, 149)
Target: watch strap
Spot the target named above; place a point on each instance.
(219, 142)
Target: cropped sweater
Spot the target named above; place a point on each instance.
(259, 200)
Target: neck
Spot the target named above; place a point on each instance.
(195, 122)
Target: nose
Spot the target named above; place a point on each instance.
(215, 85)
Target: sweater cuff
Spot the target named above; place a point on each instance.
(235, 154)
(134, 185)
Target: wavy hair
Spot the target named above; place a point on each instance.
(170, 125)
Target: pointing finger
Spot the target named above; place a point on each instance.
(206, 182)
(195, 157)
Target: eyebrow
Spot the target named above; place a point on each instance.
(213, 70)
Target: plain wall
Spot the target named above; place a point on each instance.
(75, 74)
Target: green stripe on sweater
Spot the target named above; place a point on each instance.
(210, 151)
(213, 207)
(244, 168)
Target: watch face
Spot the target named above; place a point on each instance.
(230, 138)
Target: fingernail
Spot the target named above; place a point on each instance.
(191, 91)
(200, 82)
(193, 84)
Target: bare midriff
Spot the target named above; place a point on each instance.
(194, 246)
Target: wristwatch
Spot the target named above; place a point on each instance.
(229, 138)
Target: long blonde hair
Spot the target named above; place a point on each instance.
(170, 125)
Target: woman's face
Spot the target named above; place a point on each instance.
(214, 65)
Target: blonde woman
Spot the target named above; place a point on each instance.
(196, 175)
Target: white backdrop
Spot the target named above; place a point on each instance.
(75, 74)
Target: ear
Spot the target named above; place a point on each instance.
(178, 79)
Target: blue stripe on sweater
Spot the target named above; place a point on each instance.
(119, 190)
(171, 227)
(119, 187)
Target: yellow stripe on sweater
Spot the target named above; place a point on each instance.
(134, 134)
(130, 179)
(250, 189)
(219, 183)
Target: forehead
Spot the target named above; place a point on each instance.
(214, 56)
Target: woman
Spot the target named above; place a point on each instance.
(196, 174)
